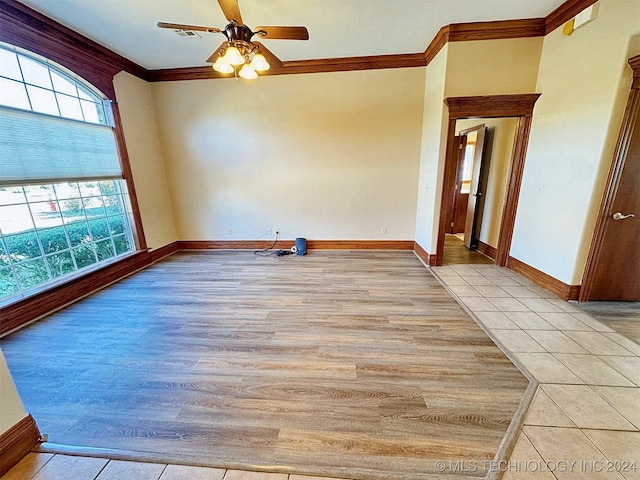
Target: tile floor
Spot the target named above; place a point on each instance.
(584, 422)
(47, 466)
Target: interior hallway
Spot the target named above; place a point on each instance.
(456, 253)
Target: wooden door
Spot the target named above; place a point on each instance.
(617, 273)
(470, 234)
(460, 199)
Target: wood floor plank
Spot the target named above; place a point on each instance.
(337, 364)
(455, 252)
(28, 466)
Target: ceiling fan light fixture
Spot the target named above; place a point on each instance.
(247, 72)
(259, 63)
(239, 54)
(221, 66)
(233, 56)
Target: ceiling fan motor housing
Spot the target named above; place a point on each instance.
(235, 32)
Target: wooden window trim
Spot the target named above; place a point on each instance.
(25, 28)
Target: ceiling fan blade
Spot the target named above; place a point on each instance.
(231, 10)
(180, 26)
(217, 53)
(283, 33)
(270, 57)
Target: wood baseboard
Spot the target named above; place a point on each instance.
(487, 250)
(33, 307)
(29, 309)
(552, 284)
(231, 244)
(360, 244)
(16, 442)
(160, 253)
(423, 255)
(311, 244)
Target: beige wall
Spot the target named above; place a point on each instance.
(484, 67)
(434, 140)
(322, 156)
(504, 130)
(493, 67)
(584, 81)
(10, 403)
(344, 155)
(143, 146)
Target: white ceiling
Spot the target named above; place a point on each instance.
(337, 28)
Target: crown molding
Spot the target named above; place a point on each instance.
(299, 66)
(499, 30)
(564, 13)
(24, 27)
(464, 32)
(456, 32)
(374, 62)
(437, 44)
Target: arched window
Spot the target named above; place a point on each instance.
(29, 83)
(64, 208)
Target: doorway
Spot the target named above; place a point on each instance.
(483, 162)
(489, 107)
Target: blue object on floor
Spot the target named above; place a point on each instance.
(301, 246)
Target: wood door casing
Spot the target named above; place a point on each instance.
(614, 257)
(493, 106)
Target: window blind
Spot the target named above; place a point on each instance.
(36, 147)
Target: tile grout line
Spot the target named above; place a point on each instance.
(486, 329)
(512, 434)
(595, 326)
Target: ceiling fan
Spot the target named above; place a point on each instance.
(240, 51)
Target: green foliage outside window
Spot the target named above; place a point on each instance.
(23, 251)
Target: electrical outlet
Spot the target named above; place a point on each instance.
(269, 231)
(384, 230)
(277, 230)
(230, 231)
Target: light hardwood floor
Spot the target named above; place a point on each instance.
(342, 364)
(456, 253)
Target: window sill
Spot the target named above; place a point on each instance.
(31, 306)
